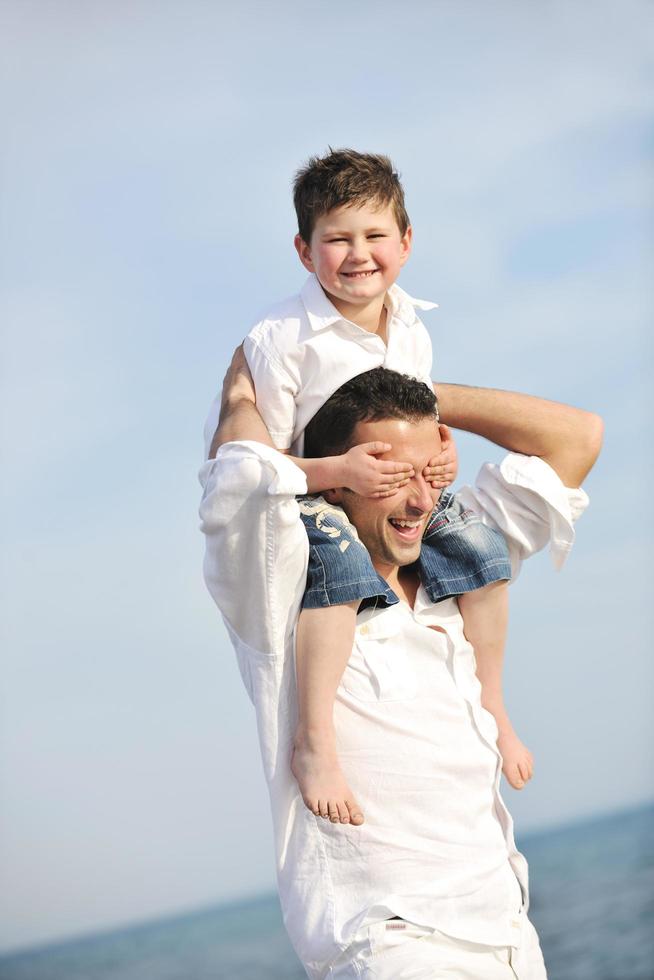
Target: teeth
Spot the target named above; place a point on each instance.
(399, 523)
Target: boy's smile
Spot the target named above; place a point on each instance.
(356, 254)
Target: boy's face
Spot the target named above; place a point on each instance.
(356, 253)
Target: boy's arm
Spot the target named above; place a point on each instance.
(240, 419)
(358, 469)
(568, 439)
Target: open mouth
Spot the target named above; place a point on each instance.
(407, 530)
(360, 275)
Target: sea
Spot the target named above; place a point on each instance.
(592, 902)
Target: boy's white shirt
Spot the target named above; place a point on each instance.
(303, 350)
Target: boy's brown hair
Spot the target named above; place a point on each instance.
(345, 177)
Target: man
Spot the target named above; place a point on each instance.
(431, 885)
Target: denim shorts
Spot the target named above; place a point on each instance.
(459, 554)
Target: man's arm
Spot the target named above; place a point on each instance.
(255, 544)
(532, 498)
(568, 439)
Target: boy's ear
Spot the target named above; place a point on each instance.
(304, 251)
(405, 245)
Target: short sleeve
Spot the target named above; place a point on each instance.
(424, 355)
(275, 392)
(524, 498)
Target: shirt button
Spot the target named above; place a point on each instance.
(364, 629)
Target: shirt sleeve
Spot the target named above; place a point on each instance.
(424, 355)
(256, 548)
(524, 498)
(275, 392)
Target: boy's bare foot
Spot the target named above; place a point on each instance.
(322, 783)
(518, 762)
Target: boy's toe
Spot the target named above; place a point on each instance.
(311, 804)
(356, 816)
(343, 812)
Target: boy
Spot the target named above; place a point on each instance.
(353, 237)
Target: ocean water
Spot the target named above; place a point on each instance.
(592, 901)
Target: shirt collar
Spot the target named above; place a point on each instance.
(322, 313)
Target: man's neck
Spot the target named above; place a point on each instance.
(403, 581)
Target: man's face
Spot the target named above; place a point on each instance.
(392, 527)
(356, 253)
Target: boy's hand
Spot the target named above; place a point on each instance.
(441, 470)
(371, 477)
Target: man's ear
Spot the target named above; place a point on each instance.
(333, 496)
(304, 251)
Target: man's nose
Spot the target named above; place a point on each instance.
(421, 498)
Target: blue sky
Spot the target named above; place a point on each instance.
(145, 220)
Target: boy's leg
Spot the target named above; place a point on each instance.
(323, 648)
(485, 618)
(339, 576)
(462, 557)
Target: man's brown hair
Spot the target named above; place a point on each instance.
(369, 397)
(345, 177)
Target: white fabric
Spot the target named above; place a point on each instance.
(399, 950)
(302, 350)
(416, 746)
(542, 513)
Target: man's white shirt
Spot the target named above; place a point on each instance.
(303, 350)
(414, 742)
